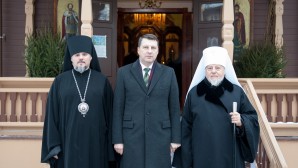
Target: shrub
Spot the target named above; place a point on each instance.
(262, 60)
(44, 53)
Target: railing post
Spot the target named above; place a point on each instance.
(43, 97)
(23, 97)
(33, 97)
(279, 99)
(289, 100)
(13, 99)
(3, 116)
(269, 98)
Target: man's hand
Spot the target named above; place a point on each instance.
(174, 146)
(119, 148)
(236, 118)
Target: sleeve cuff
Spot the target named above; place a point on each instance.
(52, 153)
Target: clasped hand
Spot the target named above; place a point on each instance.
(236, 118)
(119, 147)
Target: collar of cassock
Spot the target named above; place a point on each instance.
(213, 93)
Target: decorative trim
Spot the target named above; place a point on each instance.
(20, 137)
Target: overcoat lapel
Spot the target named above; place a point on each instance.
(156, 76)
(137, 74)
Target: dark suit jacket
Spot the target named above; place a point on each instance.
(146, 120)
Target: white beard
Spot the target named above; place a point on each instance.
(215, 82)
(80, 69)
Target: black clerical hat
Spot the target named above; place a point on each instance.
(76, 44)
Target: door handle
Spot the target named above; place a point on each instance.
(3, 36)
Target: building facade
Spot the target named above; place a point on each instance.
(192, 32)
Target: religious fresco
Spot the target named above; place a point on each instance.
(242, 30)
(68, 21)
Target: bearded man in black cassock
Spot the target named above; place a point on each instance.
(77, 124)
(213, 134)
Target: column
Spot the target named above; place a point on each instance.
(279, 10)
(228, 28)
(29, 11)
(87, 18)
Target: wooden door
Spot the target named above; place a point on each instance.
(12, 43)
(207, 26)
(1, 37)
(105, 24)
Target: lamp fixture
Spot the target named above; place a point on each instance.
(149, 4)
(158, 19)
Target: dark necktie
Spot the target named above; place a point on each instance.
(146, 76)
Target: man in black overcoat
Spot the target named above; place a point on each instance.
(146, 112)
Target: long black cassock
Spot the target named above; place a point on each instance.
(207, 131)
(82, 142)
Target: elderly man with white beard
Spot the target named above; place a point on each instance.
(216, 133)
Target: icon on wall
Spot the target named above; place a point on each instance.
(67, 18)
(70, 22)
(242, 10)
